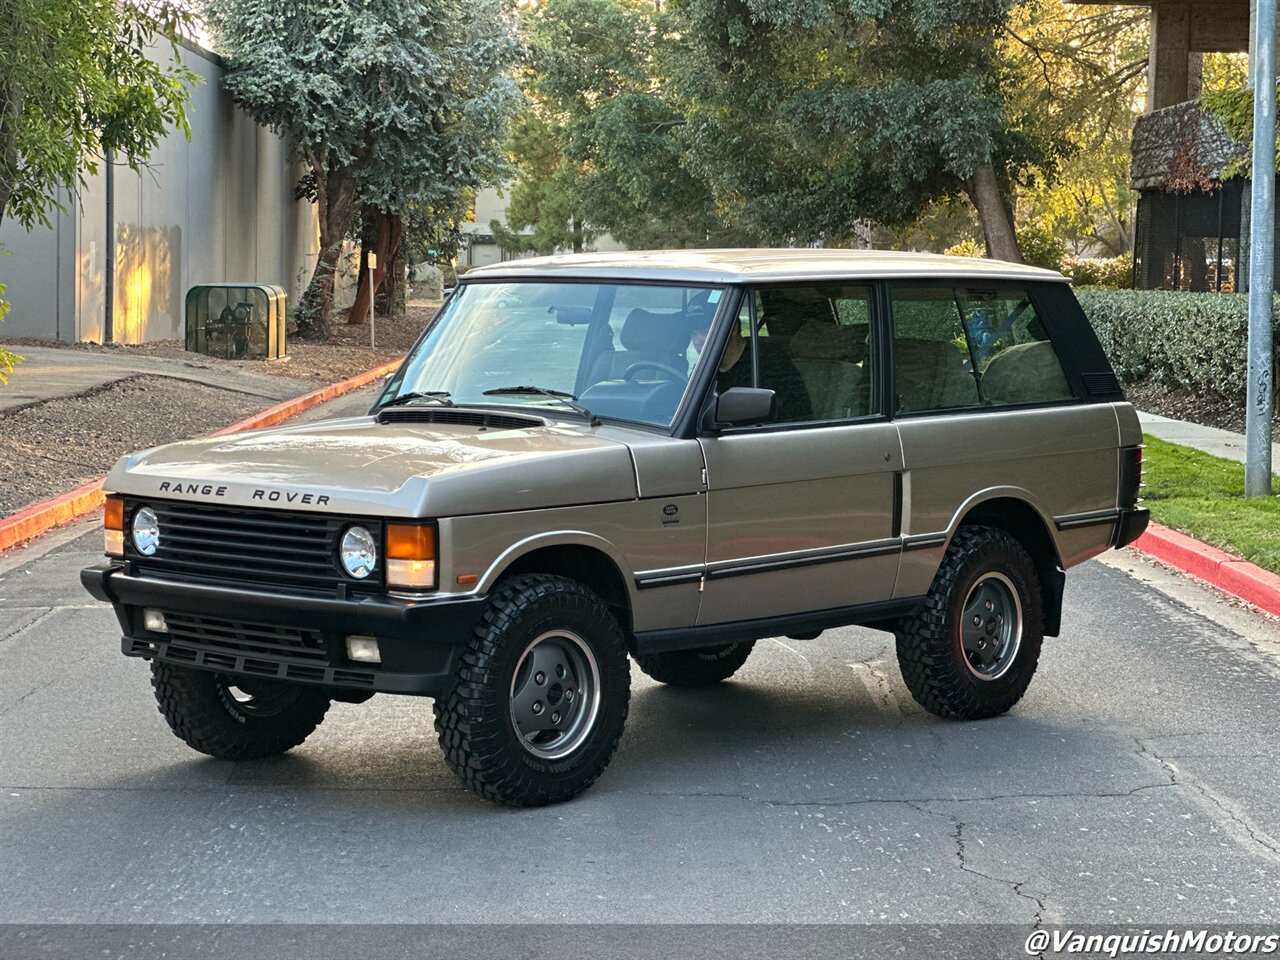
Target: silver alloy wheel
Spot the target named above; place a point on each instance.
(555, 694)
(245, 697)
(991, 626)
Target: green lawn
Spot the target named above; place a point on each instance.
(1204, 497)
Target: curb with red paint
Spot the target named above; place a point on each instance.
(41, 517)
(1230, 574)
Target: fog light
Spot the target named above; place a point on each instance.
(364, 649)
(154, 621)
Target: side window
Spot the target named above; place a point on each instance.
(961, 347)
(813, 346)
(1012, 351)
(931, 361)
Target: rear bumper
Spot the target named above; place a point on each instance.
(1130, 526)
(291, 637)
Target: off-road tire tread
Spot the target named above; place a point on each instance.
(695, 668)
(189, 703)
(467, 719)
(924, 641)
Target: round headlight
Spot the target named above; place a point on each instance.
(146, 531)
(358, 552)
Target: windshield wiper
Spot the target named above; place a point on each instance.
(439, 396)
(568, 399)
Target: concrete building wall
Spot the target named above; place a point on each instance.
(217, 208)
(490, 205)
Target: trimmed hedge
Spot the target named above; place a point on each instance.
(1115, 273)
(1178, 339)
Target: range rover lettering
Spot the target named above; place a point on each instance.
(660, 457)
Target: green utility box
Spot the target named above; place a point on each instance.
(236, 321)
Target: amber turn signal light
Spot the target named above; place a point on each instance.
(113, 526)
(411, 555)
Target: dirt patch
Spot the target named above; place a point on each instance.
(345, 354)
(55, 446)
(1181, 404)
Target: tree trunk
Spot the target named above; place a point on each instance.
(386, 244)
(575, 225)
(390, 300)
(10, 109)
(983, 189)
(336, 209)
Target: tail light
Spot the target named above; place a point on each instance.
(1130, 476)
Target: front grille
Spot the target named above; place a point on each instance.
(261, 639)
(256, 649)
(266, 548)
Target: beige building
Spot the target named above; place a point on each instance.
(119, 256)
(481, 248)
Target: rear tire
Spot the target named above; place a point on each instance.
(235, 718)
(541, 696)
(696, 668)
(972, 650)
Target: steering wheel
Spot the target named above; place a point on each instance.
(629, 373)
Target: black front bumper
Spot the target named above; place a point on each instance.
(292, 637)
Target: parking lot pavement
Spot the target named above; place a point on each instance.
(1134, 784)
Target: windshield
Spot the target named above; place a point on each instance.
(619, 350)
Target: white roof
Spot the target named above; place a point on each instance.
(759, 265)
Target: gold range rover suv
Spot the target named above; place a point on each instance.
(653, 456)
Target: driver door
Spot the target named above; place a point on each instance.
(802, 512)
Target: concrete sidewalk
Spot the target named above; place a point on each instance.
(47, 373)
(1219, 443)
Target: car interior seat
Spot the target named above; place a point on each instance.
(645, 337)
(932, 375)
(1026, 372)
(827, 356)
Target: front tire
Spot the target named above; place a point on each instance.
(541, 696)
(235, 718)
(972, 650)
(696, 668)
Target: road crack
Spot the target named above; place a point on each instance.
(1018, 887)
(1237, 823)
(7, 633)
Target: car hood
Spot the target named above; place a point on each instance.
(358, 466)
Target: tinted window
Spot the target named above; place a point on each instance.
(813, 348)
(966, 347)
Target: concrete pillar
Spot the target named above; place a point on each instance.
(1169, 71)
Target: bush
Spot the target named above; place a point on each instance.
(1115, 273)
(1040, 248)
(1177, 339)
(7, 360)
(966, 248)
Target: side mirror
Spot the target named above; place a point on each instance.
(744, 406)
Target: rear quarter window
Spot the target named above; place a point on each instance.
(957, 347)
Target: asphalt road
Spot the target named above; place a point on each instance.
(1135, 784)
